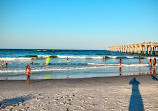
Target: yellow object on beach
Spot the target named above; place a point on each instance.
(47, 77)
(67, 76)
(67, 61)
(47, 60)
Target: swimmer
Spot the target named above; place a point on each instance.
(120, 61)
(5, 62)
(105, 57)
(67, 60)
(139, 59)
(27, 73)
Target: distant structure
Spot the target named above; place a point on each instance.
(139, 48)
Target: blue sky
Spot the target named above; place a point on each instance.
(77, 24)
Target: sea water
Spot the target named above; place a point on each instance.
(82, 64)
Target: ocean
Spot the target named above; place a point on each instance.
(82, 64)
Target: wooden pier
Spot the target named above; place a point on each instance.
(149, 48)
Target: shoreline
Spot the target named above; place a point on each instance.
(115, 93)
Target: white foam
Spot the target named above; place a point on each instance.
(129, 57)
(17, 58)
(135, 65)
(113, 57)
(79, 68)
(43, 56)
(150, 57)
(80, 57)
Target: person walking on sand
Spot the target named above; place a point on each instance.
(139, 59)
(27, 73)
(120, 61)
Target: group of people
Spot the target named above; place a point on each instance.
(28, 69)
(154, 62)
(3, 64)
(150, 62)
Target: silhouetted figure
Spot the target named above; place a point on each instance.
(136, 102)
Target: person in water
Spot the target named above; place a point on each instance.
(27, 73)
(120, 61)
(139, 59)
(105, 57)
(67, 60)
(5, 63)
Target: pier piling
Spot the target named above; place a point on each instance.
(139, 48)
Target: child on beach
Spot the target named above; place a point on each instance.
(27, 73)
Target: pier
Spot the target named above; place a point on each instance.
(149, 48)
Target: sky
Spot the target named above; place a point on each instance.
(77, 24)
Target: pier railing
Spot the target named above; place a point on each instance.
(139, 48)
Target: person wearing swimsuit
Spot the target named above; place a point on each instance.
(27, 73)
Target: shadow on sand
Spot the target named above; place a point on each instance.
(154, 78)
(136, 102)
(13, 101)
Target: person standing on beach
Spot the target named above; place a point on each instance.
(47, 61)
(139, 59)
(150, 62)
(154, 62)
(120, 61)
(27, 73)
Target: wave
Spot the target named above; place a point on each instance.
(129, 56)
(94, 66)
(17, 58)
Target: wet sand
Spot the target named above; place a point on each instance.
(122, 93)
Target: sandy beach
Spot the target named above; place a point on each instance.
(122, 93)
